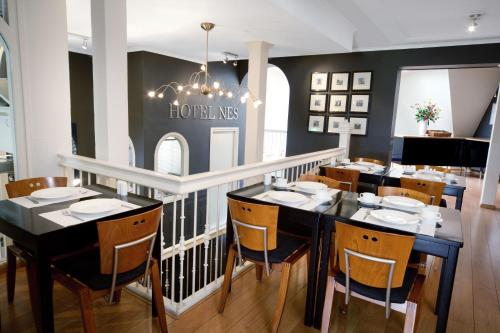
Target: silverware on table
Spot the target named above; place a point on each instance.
(68, 213)
(33, 200)
(126, 206)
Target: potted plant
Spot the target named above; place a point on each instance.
(424, 114)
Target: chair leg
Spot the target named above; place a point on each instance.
(228, 275)
(258, 272)
(280, 305)
(11, 275)
(158, 297)
(86, 310)
(410, 318)
(327, 307)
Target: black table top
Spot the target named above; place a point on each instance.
(344, 205)
(460, 182)
(15, 217)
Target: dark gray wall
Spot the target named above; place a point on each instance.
(484, 128)
(385, 66)
(82, 102)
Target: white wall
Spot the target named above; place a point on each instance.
(418, 86)
(471, 93)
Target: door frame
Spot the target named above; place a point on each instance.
(236, 138)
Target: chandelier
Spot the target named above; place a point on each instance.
(201, 83)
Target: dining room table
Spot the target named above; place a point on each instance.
(46, 229)
(390, 176)
(316, 220)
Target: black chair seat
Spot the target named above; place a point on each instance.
(398, 295)
(85, 268)
(286, 245)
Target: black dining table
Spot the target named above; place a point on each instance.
(319, 224)
(45, 239)
(392, 176)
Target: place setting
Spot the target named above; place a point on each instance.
(88, 210)
(53, 195)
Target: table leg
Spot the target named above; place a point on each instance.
(312, 274)
(40, 289)
(445, 289)
(458, 202)
(323, 273)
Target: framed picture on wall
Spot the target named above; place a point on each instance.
(319, 81)
(316, 124)
(338, 103)
(334, 124)
(339, 82)
(358, 125)
(317, 102)
(360, 103)
(362, 81)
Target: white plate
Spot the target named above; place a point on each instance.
(426, 176)
(370, 203)
(403, 201)
(54, 193)
(311, 186)
(287, 185)
(321, 199)
(394, 216)
(94, 206)
(287, 197)
(357, 167)
(368, 164)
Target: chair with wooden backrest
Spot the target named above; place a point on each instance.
(371, 160)
(330, 182)
(124, 256)
(347, 177)
(21, 188)
(372, 265)
(436, 168)
(257, 240)
(434, 189)
(384, 191)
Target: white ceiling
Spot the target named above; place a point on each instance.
(293, 27)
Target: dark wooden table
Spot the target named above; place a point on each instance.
(45, 239)
(391, 177)
(445, 244)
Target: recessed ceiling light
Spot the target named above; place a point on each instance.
(473, 22)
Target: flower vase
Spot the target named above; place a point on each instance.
(422, 128)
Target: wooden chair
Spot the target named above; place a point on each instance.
(432, 188)
(371, 160)
(372, 265)
(384, 191)
(331, 183)
(437, 168)
(123, 257)
(348, 178)
(21, 188)
(257, 240)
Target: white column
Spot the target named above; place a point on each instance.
(109, 62)
(43, 74)
(490, 181)
(255, 117)
(345, 137)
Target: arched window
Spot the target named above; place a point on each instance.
(172, 155)
(276, 122)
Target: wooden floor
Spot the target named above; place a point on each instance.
(475, 305)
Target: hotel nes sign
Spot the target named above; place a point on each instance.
(203, 112)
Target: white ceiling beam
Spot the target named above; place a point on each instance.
(324, 17)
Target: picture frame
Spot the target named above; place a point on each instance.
(334, 124)
(339, 81)
(358, 125)
(360, 103)
(317, 102)
(362, 81)
(319, 81)
(338, 103)
(316, 124)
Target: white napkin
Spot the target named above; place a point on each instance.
(310, 204)
(83, 193)
(423, 227)
(64, 218)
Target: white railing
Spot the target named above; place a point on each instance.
(194, 221)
